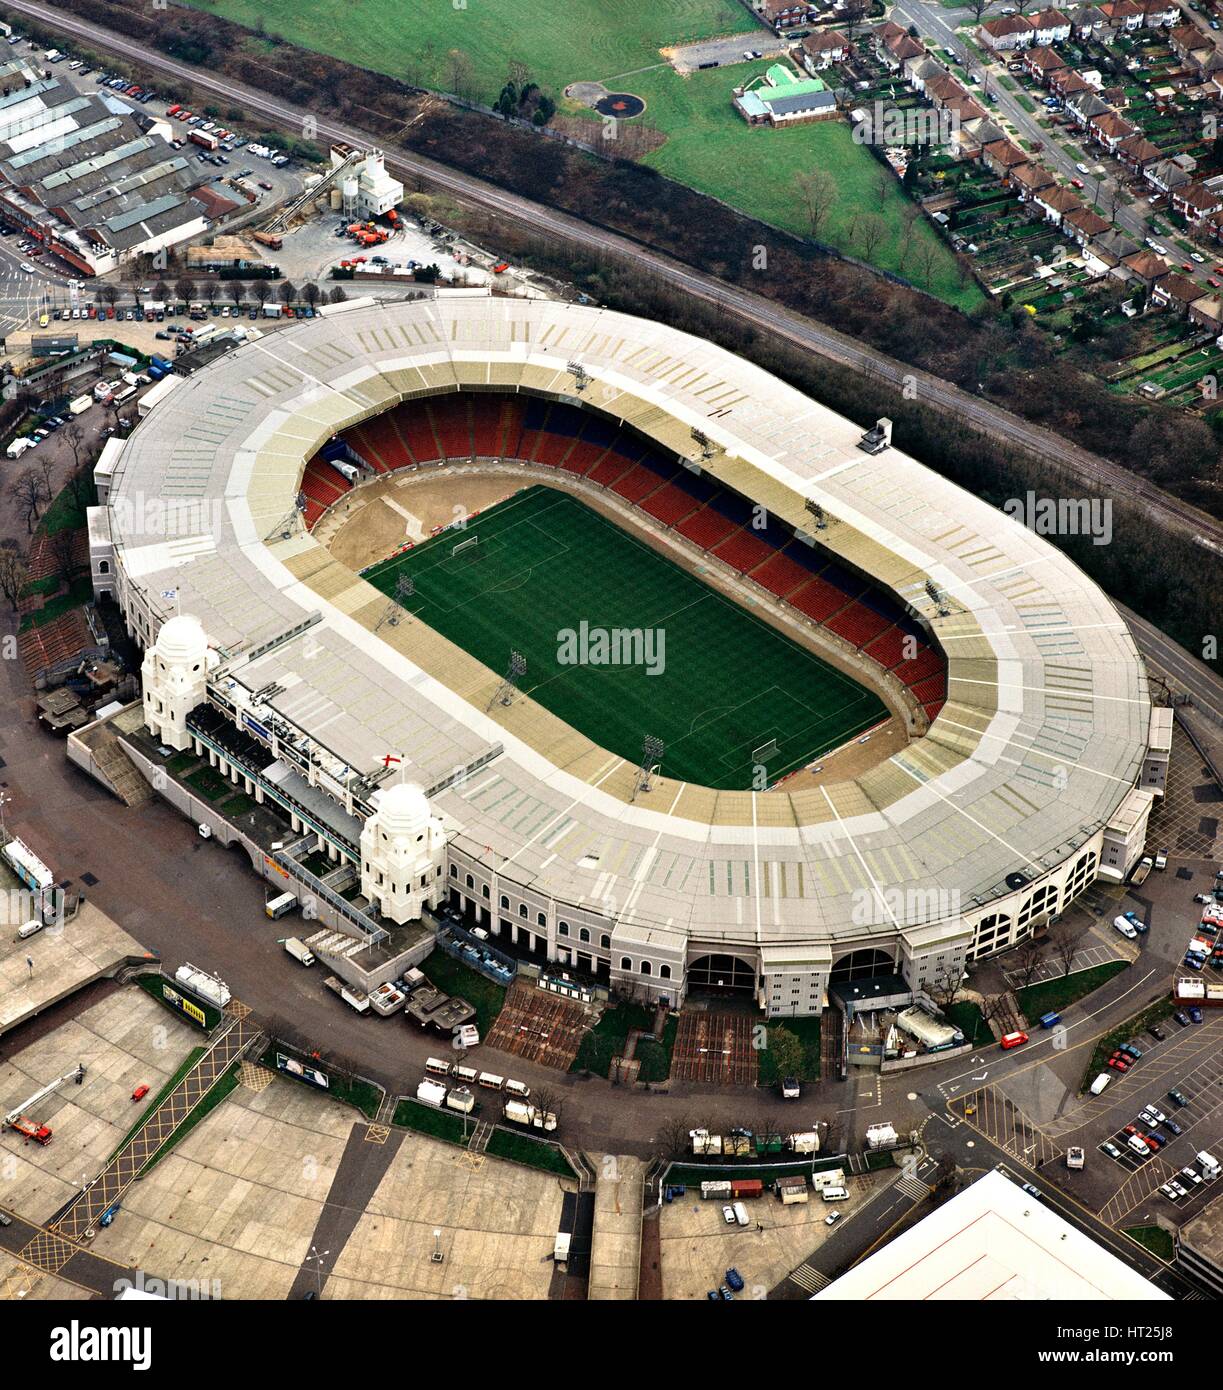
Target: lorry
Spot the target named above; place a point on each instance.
(80, 405)
(204, 139)
(299, 951)
(521, 1113)
(431, 1093)
(1075, 1156)
(1145, 865)
(271, 311)
(207, 986)
(1209, 1166)
(268, 239)
(354, 998)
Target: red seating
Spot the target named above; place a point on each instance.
(857, 624)
(706, 528)
(610, 467)
(321, 481)
(932, 688)
(925, 663)
(780, 575)
(637, 483)
(486, 426)
(818, 599)
(552, 449)
(888, 649)
(744, 550)
(379, 444)
(583, 457)
(451, 426)
(932, 710)
(416, 429)
(669, 504)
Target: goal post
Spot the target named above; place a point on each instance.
(765, 751)
(465, 551)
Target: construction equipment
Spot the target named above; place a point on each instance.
(20, 1121)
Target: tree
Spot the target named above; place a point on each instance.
(672, 1138)
(29, 491)
(1028, 957)
(287, 292)
(61, 547)
(237, 291)
(978, 8)
(211, 291)
(108, 294)
(311, 293)
(458, 72)
(337, 295)
(818, 191)
(262, 291)
(947, 985)
(1064, 940)
(870, 231)
(12, 573)
(786, 1050)
(161, 291)
(184, 287)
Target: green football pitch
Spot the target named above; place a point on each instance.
(711, 680)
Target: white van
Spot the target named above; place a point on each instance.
(741, 1215)
(29, 929)
(1100, 1082)
(835, 1194)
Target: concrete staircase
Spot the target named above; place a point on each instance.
(120, 772)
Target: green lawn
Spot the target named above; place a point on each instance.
(520, 1148)
(1154, 1238)
(807, 1031)
(711, 148)
(968, 1018)
(618, 42)
(1040, 999)
(607, 1038)
(710, 706)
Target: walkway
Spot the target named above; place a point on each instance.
(615, 1254)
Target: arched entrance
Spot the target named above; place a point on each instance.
(719, 974)
(862, 965)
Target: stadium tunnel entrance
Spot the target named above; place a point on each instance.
(724, 975)
(862, 965)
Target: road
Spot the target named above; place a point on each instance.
(1092, 472)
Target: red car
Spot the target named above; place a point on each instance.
(140, 1092)
(1130, 1129)
(1076, 183)
(1120, 1063)
(1014, 1040)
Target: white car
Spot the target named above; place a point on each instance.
(728, 1215)
(1201, 260)
(29, 269)
(1124, 927)
(1082, 168)
(833, 1217)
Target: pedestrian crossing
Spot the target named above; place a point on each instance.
(810, 1279)
(913, 1188)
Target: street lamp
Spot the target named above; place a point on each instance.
(437, 1257)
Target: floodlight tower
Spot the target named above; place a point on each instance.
(651, 756)
(505, 692)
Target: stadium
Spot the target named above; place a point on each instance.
(709, 691)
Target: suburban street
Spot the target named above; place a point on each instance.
(1091, 472)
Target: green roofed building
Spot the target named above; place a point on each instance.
(780, 97)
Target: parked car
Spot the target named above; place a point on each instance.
(1191, 1176)
(1124, 927)
(1154, 1140)
(1182, 1018)
(1174, 1127)
(1136, 922)
(1111, 1149)
(832, 1218)
(1178, 1098)
(1120, 1062)
(1195, 1013)
(1157, 1032)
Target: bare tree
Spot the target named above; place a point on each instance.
(459, 71)
(61, 546)
(1028, 957)
(184, 287)
(211, 291)
(12, 574)
(108, 294)
(818, 191)
(287, 292)
(337, 295)
(311, 293)
(1063, 939)
(262, 291)
(237, 291)
(947, 986)
(546, 1100)
(671, 1140)
(978, 8)
(29, 491)
(869, 232)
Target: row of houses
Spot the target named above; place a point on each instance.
(975, 135)
(1093, 110)
(1011, 33)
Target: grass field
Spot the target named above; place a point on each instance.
(728, 682)
(617, 42)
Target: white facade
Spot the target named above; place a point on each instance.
(175, 678)
(403, 848)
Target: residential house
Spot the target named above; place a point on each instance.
(1006, 35)
(1000, 157)
(1082, 224)
(1087, 21)
(1190, 45)
(923, 71)
(1050, 26)
(787, 14)
(1137, 152)
(1055, 202)
(1160, 14)
(1195, 201)
(1041, 62)
(1083, 107)
(780, 97)
(1123, 16)
(1109, 130)
(1029, 179)
(1207, 312)
(1112, 247)
(894, 47)
(1176, 292)
(824, 48)
(1165, 175)
(1146, 266)
(1065, 83)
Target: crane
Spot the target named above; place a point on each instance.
(21, 1122)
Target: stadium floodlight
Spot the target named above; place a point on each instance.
(651, 756)
(703, 443)
(938, 598)
(405, 587)
(505, 692)
(816, 511)
(581, 378)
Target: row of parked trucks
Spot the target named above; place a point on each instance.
(742, 1143)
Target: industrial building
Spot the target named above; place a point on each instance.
(92, 179)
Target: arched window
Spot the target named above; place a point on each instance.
(471, 883)
(646, 968)
(583, 934)
(541, 919)
(625, 963)
(664, 971)
(605, 942)
(505, 903)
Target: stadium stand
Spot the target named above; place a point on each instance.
(696, 506)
